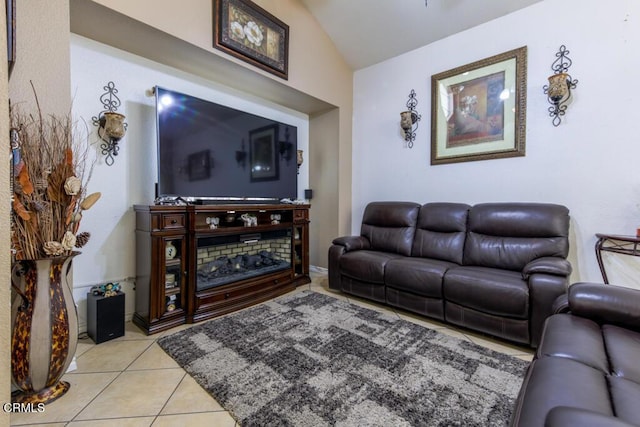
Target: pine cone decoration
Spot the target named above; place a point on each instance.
(82, 239)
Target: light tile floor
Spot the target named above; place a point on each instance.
(131, 381)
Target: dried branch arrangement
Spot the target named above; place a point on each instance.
(51, 169)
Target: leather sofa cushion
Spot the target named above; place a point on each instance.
(510, 253)
(516, 330)
(558, 381)
(509, 235)
(626, 397)
(623, 348)
(489, 290)
(390, 226)
(615, 305)
(574, 338)
(366, 266)
(565, 416)
(441, 231)
(420, 276)
(519, 219)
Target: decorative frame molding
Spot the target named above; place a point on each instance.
(246, 31)
(478, 111)
(264, 160)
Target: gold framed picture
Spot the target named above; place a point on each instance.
(478, 111)
(246, 31)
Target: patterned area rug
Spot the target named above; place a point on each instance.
(308, 359)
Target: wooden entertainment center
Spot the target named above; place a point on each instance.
(195, 262)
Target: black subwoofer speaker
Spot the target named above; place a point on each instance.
(105, 317)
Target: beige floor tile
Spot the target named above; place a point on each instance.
(120, 422)
(320, 281)
(84, 345)
(421, 320)
(84, 387)
(453, 333)
(133, 332)
(217, 419)
(153, 358)
(497, 345)
(134, 394)
(190, 397)
(111, 356)
(46, 425)
(525, 357)
(174, 330)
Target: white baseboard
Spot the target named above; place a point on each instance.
(316, 269)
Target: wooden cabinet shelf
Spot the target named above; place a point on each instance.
(223, 258)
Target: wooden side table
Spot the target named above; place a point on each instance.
(617, 243)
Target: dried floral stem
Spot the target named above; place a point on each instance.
(51, 151)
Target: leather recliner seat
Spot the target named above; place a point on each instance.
(493, 267)
(586, 372)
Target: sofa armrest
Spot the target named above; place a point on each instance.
(606, 304)
(352, 243)
(544, 289)
(547, 265)
(342, 245)
(564, 416)
(561, 304)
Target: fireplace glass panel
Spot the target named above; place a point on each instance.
(226, 259)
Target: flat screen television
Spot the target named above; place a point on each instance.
(210, 152)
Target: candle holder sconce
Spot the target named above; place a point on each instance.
(111, 124)
(561, 83)
(409, 119)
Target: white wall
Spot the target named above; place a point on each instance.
(110, 254)
(588, 163)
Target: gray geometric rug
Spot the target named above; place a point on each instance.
(308, 359)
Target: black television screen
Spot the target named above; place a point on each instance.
(208, 151)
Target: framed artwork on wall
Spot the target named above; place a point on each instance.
(478, 111)
(263, 154)
(244, 30)
(199, 165)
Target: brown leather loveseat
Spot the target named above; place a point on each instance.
(586, 371)
(493, 267)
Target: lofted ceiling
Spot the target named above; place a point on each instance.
(370, 31)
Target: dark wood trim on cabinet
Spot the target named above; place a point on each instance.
(167, 292)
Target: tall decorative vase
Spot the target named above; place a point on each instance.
(44, 322)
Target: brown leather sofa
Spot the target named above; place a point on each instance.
(493, 267)
(586, 371)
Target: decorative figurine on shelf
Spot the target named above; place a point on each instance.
(106, 290)
(213, 222)
(170, 251)
(169, 280)
(249, 220)
(171, 303)
(275, 219)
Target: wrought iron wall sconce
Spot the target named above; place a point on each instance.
(286, 147)
(111, 124)
(558, 90)
(409, 119)
(241, 156)
(299, 159)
